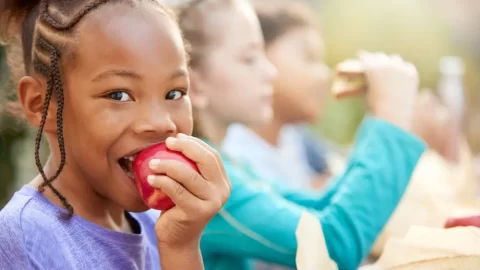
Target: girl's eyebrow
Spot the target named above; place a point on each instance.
(131, 74)
(116, 72)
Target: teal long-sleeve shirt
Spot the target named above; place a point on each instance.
(260, 218)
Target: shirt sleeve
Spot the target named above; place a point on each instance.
(259, 221)
(372, 127)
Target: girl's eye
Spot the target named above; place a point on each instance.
(175, 94)
(121, 96)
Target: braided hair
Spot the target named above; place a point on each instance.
(45, 30)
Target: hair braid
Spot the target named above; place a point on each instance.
(53, 83)
(54, 86)
(52, 22)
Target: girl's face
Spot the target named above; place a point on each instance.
(125, 90)
(235, 78)
(302, 84)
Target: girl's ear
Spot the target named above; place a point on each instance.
(32, 95)
(197, 91)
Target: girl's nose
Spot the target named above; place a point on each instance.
(155, 122)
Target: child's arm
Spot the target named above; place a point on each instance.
(197, 197)
(369, 130)
(260, 224)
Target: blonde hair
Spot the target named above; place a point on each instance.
(194, 21)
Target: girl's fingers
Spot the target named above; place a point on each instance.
(191, 150)
(184, 175)
(217, 156)
(397, 59)
(367, 60)
(205, 157)
(202, 143)
(412, 70)
(175, 191)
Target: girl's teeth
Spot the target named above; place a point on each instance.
(130, 158)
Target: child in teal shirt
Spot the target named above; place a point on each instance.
(260, 218)
(231, 81)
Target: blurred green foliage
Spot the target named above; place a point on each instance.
(411, 28)
(10, 132)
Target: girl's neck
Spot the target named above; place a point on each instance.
(212, 128)
(270, 132)
(84, 200)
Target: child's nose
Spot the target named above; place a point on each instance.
(155, 123)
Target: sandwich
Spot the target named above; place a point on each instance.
(424, 248)
(349, 79)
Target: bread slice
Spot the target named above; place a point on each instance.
(433, 248)
(349, 79)
(453, 263)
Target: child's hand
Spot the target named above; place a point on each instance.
(393, 87)
(434, 123)
(197, 196)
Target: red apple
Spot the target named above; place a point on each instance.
(155, 198)
(463, 222)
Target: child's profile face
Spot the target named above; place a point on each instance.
(236, 75)
(123, 92)
(302, 84)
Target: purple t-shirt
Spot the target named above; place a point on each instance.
(34, 235)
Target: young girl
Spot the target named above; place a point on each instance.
(231, 83)
(295, 47)
(104, 80)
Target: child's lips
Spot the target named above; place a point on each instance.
(129, 179)
(126, 162)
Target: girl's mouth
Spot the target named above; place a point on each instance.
(126, 164)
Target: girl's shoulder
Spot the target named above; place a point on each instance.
(35, 233)
(22, 221)
(28, 212)
(25, 205)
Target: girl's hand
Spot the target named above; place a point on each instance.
(197, 196)
(393, 87)
(434, 123)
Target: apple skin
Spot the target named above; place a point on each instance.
(153, 197)
(473, 221)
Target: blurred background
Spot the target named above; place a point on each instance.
(421, 31)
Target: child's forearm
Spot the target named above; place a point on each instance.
(176, 258)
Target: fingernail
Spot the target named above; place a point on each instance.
(170, 140)
(151, 180)
(154, 163)
(181, 135)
